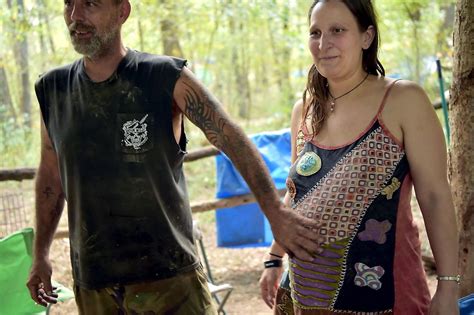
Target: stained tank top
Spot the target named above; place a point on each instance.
(360, 192)
(121, 170)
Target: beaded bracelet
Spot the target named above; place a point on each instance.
(456, 278)
(273, 263)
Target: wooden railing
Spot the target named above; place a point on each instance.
(21, 174)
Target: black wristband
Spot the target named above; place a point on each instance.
(273, 263)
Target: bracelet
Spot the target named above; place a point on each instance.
(272, 254)
(273, 263)
(456, 278)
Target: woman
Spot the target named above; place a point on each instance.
(360, 141)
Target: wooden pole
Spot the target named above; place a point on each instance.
(201, 153)
(20, 174)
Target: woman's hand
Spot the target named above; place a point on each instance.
(445, 300)
(269, 282)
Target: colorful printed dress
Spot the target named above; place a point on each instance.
(371, 260)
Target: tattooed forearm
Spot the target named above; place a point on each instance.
(202, 112)
(48, 191)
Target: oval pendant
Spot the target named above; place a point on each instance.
(309, 164)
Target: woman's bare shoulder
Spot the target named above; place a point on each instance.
(298, 107)
(410, 96)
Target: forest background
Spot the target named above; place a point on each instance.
(252, 54)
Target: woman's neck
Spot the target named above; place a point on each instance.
(340, 86)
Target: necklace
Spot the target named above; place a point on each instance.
(333, 99)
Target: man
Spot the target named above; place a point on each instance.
(113, 146)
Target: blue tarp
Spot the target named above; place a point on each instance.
(466, 305)
(275, 149)
(245, 225)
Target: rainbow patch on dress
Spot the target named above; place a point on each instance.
(368, 276)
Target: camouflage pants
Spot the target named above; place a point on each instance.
(186, 294)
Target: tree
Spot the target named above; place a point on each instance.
(169, 29)
(6, 103)
(239, 58)
(462, 135)
(22, 55)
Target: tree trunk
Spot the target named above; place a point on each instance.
(240, 72)
(462, 135)
(281, 51)
(21, 56)
(44, 20)
(6, 103)
(414, 14)
(140, 35)
(169, 29)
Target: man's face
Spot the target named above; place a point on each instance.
(94, 25)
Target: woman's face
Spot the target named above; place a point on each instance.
(335, 41)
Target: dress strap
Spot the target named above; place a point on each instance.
(387, 93)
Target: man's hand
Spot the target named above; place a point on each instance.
(39, 283)
(295, 233)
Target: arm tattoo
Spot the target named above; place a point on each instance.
(202, 112)
(48, 191)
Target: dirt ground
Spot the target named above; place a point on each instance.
(239, 267)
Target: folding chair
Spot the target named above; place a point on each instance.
(15, 263)
(221, 292)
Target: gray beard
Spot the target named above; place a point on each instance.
(97, 46)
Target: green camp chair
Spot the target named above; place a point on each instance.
(15, 263)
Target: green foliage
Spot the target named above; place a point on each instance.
(250, 53)
(414, 33)
(17, 144)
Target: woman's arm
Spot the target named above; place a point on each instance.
(271, 276)
(426, 152)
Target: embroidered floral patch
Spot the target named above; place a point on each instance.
(300, 141)
(309, 164)
(368, 276)
(375, 231)
(290, 185)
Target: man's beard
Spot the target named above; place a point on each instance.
(95, 46)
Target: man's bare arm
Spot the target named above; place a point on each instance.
(49, 206)
(204, 110)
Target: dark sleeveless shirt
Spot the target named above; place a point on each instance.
(121, 170)
(360, 192)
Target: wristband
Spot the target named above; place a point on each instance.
(275, 255)
(456, 278)
(273, 263)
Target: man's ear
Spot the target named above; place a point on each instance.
(125, 9)
(368, 37)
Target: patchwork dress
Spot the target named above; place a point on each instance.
(371, 259)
